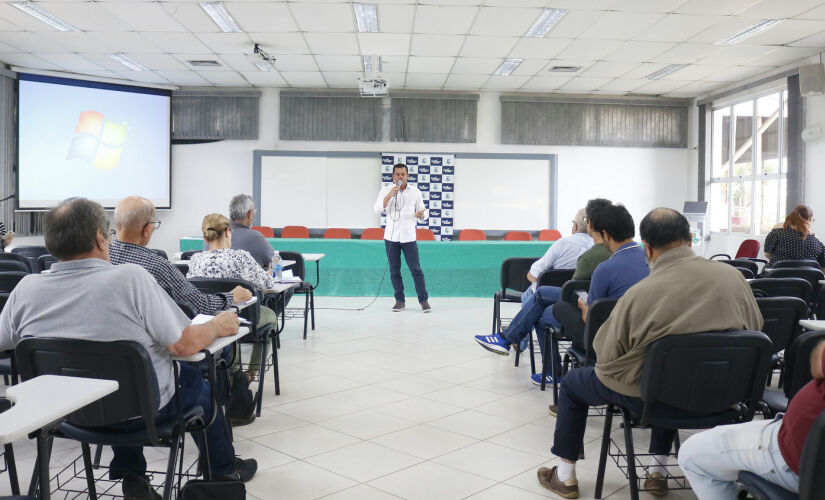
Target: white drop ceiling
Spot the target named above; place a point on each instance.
(424, 44)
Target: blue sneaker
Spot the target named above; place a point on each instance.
(494, 343)
(536, 378)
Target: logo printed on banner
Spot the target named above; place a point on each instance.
(446, 222)
(435, 221)
(435, 178)
(448, 213)
(435, 187)
(436, 230)
(436, 170)
(447, 195)
(435, 196)
(425, 177)
(449, 178)
(387, 160)
(425, 195)
(449, 170)
(446, 204)
(386, 169)
(435, 204)
(412, 178)
(423, 169)
(386, 178)
(447, 187)
(426, 203)
(436, 161)
(421, 223)
(435, 213)
(412, 160)
(423, 187)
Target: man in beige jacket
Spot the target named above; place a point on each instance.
(683, 294)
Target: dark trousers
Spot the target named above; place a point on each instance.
(410, 250)
(570, 319)
(194, 391)
(582, 389)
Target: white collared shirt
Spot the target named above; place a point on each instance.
(562, 254)
(401, 209)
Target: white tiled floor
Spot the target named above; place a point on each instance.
(378, 405)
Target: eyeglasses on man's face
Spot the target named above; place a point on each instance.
(155, 223)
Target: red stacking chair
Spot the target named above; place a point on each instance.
(372, 233)
(471, 235)
(424, 234)
(295, 232)
(549, 235)
(337, 233)
(264, 230)
(518, 236)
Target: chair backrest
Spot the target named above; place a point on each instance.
(471, 235)
(748, 249)
(264, 230)
(160, 252)
(295, 232)
(14, 265)
(750, 265)
(797, 361)
(746, 273)
(782, 287)
(518, 236)
(569, 289)
(706, 373)
(549, 235)
(33, 251)
(18, 257)
(795, 263)
(45, 261)
(597, 314)
(298, 269)
(781, 316)
(424, 234)
(812, 461)
(127, 362)
(373, 233)
(10, 279)
(337, 233)
(225, 285)
(812, 274)
(188, 254)
(514, 273)
(556, 277)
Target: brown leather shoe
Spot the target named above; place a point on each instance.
(656, 484)
(553, 410)
(399, 306)
(425, 307)
(549, 479)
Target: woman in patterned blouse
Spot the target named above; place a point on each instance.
(794, 240)
(222, 261)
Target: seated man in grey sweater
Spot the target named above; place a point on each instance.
(653, 308)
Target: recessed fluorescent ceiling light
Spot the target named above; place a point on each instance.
(372, 64)
(548, 19)
(366, 15)
(128, 62)
(665, 71)
(264, 65)
(508, 66)
(47, 17)
(218, 13)
(749, 31)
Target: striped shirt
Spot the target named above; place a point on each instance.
(168, 277)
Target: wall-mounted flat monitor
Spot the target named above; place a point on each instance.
(96, 140)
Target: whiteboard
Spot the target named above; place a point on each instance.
(337, 189)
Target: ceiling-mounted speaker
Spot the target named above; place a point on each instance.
(812, 79)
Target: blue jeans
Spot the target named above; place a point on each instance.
(536, 312)
(582, 389)
(194, 391)
(410, 250)
(711, 460)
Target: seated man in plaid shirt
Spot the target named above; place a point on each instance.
(135, 223)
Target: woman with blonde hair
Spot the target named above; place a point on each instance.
(794, 240)
(222, 261)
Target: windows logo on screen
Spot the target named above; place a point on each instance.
(97, 141)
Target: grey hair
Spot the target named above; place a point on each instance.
(240, 205)
(71, 228)
(579, 219)
(135, 219)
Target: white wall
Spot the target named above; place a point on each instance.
(206, 176)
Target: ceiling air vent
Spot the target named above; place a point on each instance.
(204, 63)
(564, 69)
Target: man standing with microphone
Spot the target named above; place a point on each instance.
(403, 205)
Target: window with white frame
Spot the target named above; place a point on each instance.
(748, 163)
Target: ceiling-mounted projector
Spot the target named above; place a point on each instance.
(374, 86)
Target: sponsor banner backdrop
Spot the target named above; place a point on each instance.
(434, 176)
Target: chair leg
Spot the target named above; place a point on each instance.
(312, 306)
(170, 466)
(551, 345)
(276, 377)
(631, 456)
(98, 454)
(11, 465)
(677, 443)
(518, 353)
(306, 313)
(608, 422)
(206, 465)
(261, 373)
(496, 306)
(87, 465)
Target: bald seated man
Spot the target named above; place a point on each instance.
(135, 223)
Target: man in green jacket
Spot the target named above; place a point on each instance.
(683, 294)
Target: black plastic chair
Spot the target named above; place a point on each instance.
(750, 265)
(812, 275)
(556, 277)
(138, 396)
(44, 262)
(14, 265)
(692, 381)
(31, 252)
(797, 372)
(188, 254)
(306, 288)
(17, 257)
(782, 287)
(811, 471)
(795, 263)
(746, 273)
(258, 333)
(514, 282)
(781, 317)
(160, 252)
(10, 279)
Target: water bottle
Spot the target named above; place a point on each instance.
(277, 267)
